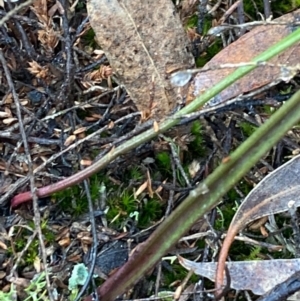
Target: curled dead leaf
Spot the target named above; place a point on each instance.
(272, 195)
(111, 125)
(242, 51)
(9, 121)
(3, 114)
(3, 245)
(70, 140)
(37, 264)
(194, 168)
(85, 162)
(155, 126)
(79, 131)
(65, 242)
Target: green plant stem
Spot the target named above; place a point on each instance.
(163, 126)
(202, 199)
(207, 194)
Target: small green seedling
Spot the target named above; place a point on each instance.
(134, 215)
(37, 289)
(171, 258)
(9, 296)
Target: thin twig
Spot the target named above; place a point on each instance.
(37, 216)
(93, 252)
(21, 255)
(14, 11)
(267, 9)
(12, 136)
(66, 87)
(172, 191)
(24, 180)
(177, 160)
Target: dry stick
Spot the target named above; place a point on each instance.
(95, 241)
(158, 279)
(23, 19)
(215, 7)
(241, 18)
(44, 141)
(66, 88)
(14, 11)
(81, 105)
(171, 192)
(267, 9)
(177, 159)
(23, 181)
(231, 9)
(248, 25)
(37, 216)
(94, 245)
(29, 50)
(21, 255)
(43, 192)
(48, 190)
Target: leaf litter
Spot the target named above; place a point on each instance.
(272, 195)
(276, 193)
(242, 51)
(62, 123)
(258, 276)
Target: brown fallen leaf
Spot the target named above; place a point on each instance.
(259, 276)
(243, 50)
(144, 42)
(274, 194)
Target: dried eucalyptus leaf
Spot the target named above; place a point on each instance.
(259, 276)
(272, 195)
(244, 50)
(144, 42)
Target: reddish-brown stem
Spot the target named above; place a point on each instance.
(22, 198)
(72, 180)
(219, 280)
(97, 166)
